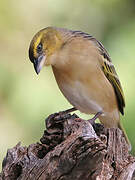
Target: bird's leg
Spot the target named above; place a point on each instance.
(92, 121)
(68, 110)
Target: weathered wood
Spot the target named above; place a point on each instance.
(71, 149)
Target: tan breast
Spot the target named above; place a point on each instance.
(81, 79)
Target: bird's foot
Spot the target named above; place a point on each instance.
(68, 111)
(59, 117)
(92, 121)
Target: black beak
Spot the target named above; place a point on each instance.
(38, 63)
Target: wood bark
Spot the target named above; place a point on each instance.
(71, 149)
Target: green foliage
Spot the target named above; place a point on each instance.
(25, 98)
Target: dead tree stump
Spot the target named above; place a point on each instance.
(71, 149)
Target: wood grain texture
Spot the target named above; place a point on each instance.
(71, 149)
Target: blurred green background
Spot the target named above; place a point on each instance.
(25, 98)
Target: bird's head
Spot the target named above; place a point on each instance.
(44, 44)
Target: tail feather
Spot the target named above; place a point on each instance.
(113, 120)
(125, 135)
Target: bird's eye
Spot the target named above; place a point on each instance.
(39, 48)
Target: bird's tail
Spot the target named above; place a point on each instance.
(115, 123)
(125, 135)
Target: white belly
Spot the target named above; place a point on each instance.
(77, 96)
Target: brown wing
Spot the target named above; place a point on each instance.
(110, 73)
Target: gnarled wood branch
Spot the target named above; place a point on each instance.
(71, 149)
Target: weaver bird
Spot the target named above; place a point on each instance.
(83, 70)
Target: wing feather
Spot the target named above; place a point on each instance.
(111, 75)
(110, 72)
